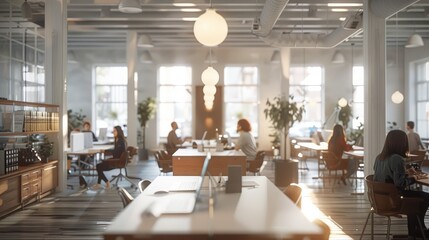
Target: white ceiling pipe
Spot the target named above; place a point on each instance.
(269, 16)
(387, 8)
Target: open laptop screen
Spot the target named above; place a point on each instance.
(203, 172)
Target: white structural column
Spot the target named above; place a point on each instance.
(375, 80)
(56, 76)
(132, 124)
(285, 63)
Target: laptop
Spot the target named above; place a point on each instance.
(181, 203)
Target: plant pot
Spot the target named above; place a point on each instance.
(143, 154)
(286, 172)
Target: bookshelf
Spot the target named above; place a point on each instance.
(23, 181)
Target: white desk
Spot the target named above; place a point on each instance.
(95, 150)
(263, 211)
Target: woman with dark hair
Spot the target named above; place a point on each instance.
(109, 164)
(246, 142)
(389, 167)
(337, 145)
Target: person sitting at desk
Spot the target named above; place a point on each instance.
(173, 140)
(87, 128)
(337, 145)
(246, 142)
(389, 167)
(106, 165)
(414, 141)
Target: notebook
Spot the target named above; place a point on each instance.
(182, 203)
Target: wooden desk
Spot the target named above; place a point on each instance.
(188, 162)
(262, 211)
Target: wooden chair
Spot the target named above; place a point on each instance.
(386, 201)
(120, 164)
(419, 158)
(125, 196)
(164, 162)
(255, 165)
(294, 193)
(143, 184)
(333, 165)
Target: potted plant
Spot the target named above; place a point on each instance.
(283, 113)
(145, 111)
(345, 115)
(75, 120)
(43, 146)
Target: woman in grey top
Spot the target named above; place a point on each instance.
(246, 142)
(389, 167)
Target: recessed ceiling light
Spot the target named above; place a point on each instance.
(189, 19)
(339, 10)
(342, 18)
(184, 4)
(190, 10)
(344, 4)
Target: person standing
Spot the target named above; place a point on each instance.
(246, 142)
(389, 167)
(109, 164)
(414, 141)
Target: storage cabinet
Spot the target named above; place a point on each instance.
(28, 181)
(28, 184)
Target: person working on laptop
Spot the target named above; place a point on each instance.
(337, 145)
(87, 128)
(109, 164)
(173, 140)
(246, 142)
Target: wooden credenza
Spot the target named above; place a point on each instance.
(28, 184)
(189, 162)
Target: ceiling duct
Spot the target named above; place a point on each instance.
(352, 26)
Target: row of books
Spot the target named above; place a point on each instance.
(30, 121)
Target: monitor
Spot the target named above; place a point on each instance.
(87, 140)
(102, 134)
(77, 141)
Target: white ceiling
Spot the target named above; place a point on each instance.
(99, 24)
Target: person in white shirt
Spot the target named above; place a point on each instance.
(414, 141)
(246, 142)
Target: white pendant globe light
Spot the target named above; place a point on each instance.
(210, 76)
(397, 97)
(342, 102)
(208, 105)
(209, 90)
(210, 29)
(208, 98)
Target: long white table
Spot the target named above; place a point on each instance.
(261, 211)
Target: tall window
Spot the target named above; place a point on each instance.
(110, 96)
(175, 99)
(306, 85)
(422, 98)
(358, 96)
(241, 97)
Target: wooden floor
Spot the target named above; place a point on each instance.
(85, 214)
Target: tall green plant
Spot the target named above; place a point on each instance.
(146, 111)
(283, 113)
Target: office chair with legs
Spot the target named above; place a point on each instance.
(120, 163)
(131, 152)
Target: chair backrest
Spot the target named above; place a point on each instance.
(294, 193)
(384, 197)
(123, 160)
(325, 228)
(164, 161)
(131, 151)
(125, 196)
(330, 160)
(157, 158)
(143, 184)
(255, 165)
(164, 155)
